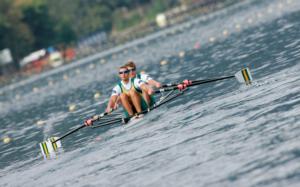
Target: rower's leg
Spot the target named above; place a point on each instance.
(147, 98)
(136, 100)
(126, 104)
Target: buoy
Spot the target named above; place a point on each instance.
(164, 62)
(270, 10)
(7, 139)
(35, 89)
(212, 39)
(77, 71)
(102, 61)
(250, 20)
(40, 122)
(50, 83)
(225, 33)
(238, 27)
(72, 107)
(259, 15)
(17, 97)
(97, 95)
(181, 54)
(65, 77)
(197, 45)
(92, 66)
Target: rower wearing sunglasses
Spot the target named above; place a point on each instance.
(143, 76)
(133, 93)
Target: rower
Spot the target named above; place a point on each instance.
(133, 94)
(143, 76)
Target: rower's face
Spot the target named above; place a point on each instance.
(132, 72)
(123, 74)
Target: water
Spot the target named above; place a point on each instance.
(217, 134)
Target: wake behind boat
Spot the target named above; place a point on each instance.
(168, 93)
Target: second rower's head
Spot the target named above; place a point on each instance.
(124, 73)
(132, 68)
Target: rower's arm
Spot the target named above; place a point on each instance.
(146, 88)
(154, 83)
(111, 103)
(145, 77)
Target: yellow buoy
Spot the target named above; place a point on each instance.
(181, 54)
(212, 39)
(163, 62)
(65, 77)
(72, 107)
(97, 95)
(102, 61)
(92, 66)
(7, 139)
(225, 33)
(40, 122)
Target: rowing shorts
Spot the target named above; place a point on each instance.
(143, 105)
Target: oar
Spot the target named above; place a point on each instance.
(127, 119)
(51, 145)
(95, 118)
(243, 76)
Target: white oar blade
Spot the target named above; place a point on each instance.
(244, 76)
(50, 149)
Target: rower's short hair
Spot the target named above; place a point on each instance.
(131, 64)
(123, 67)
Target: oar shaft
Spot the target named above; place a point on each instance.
(80, 127)
(108, 123)
(71, 132)
(197, 82)
(194, 83)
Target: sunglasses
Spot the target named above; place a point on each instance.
(124, 72)
(131, 70)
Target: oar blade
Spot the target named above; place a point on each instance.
(50, 149)
(244, 76)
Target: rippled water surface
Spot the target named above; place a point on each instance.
(216, 134)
